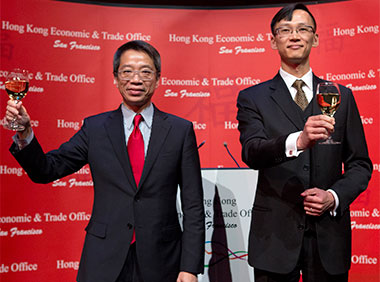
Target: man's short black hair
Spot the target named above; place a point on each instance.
(137, 45)
(286, 13)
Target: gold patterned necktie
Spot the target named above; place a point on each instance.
(300, 97)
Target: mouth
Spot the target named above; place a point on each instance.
(295, 46)
(136, 91)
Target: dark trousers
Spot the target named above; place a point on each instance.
(131, 270)
(309, 264)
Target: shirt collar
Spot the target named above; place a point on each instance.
(289, 78)
(129, 115)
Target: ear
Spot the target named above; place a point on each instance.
(273, 43)
(315, 40)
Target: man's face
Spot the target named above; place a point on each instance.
(295, 48)
(136, 91)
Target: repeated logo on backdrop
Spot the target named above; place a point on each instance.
(204, 66)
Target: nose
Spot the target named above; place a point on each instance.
(135, 77)
(294, 35)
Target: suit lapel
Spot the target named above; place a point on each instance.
(280, 94)
(160, 130)
(115, 129)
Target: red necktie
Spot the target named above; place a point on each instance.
(136, 154)
(136, 150)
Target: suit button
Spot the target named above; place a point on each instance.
(129, 225)
(301, 227)
(306, 168)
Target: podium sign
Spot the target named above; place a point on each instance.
(228, 200)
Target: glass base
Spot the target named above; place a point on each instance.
(14, 126)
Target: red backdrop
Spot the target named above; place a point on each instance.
(207, 57)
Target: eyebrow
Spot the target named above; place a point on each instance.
(130, 66)
(289, 25)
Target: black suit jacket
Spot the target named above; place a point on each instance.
(267, 115)
(163, 249)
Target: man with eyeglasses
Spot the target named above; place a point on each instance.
(138, 155)
(300, 216)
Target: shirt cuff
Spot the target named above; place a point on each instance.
(335, 195)
(22, 143)
(291, 145)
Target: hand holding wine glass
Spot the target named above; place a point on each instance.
(16, 85)
(328, 97)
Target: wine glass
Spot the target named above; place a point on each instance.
(16, 85)
(328, 97)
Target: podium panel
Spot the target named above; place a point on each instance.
(228, 200)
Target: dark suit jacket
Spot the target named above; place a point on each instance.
(267, 115)
(163, 249)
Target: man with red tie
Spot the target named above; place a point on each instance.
(138, 155)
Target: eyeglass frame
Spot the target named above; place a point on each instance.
(297, 29)
(134, 72)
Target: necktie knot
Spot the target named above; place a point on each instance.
(300, 97)
(298, 84)
(137, 119)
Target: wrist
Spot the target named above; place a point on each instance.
(331, 201)
(25, 133)
(299, 143)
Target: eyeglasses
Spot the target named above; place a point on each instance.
(302, 30)
(128, 74)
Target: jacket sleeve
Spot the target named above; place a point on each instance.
(45, 168)
(193, 237)
(258, 150)
(357, 164)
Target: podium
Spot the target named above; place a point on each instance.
(228, 201)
